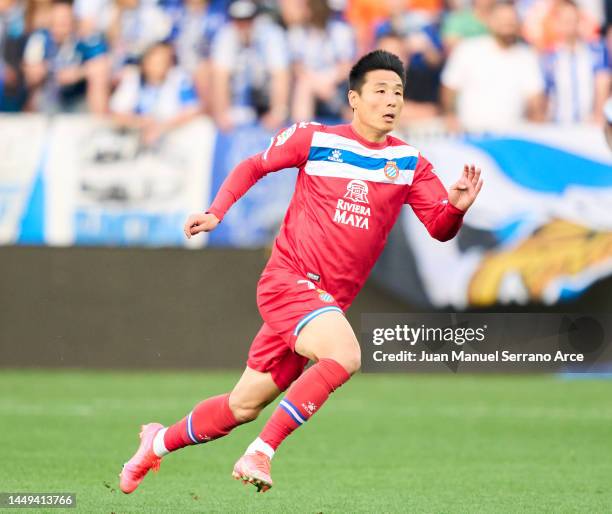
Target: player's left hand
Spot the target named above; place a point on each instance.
(463, 192)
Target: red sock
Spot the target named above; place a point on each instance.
(209, 420)
(307, 394)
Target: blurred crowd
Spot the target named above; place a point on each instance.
(155, 64)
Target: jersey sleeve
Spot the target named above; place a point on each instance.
(429, 201)
(288, 149)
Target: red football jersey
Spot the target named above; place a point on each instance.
(348, 195)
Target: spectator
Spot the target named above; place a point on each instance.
(133, 27)
(156, 97)
(66, 73)
(292, 12)
(194, 29)
(250, 70)
(93, 16)
(393, 43)
(577, 73)
(495, 81)
(431, 9)
(540, 24)
(423, 57)
(363, 16)
(38, 14)
(12, 18)
(465, 23)
(12, 42)
(322, 51)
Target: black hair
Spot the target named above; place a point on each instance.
(376, 60)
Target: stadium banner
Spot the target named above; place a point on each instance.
(22, 144)
(485, 342)
(103, 187)
(540, 230)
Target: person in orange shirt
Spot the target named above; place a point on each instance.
(364, 15)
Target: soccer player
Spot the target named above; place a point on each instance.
(353, 181)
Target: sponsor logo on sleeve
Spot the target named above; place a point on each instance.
(281, 139)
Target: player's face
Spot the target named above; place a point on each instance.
(380, 102)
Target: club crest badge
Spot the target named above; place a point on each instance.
(391, 170)
(325, 296)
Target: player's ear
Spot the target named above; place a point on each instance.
(353, 97)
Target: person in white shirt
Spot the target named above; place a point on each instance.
(493, 82)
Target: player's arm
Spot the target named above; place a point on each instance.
(289, 149)
(442, 212)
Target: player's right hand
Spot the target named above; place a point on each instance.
(200, 222)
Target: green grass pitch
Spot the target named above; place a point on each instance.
(426, 443)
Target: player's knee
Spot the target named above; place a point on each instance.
(330, 336)
(244, 412)
(348, 355)
(351, 361)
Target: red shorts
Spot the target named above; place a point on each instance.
(287, 302)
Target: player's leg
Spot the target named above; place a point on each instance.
(215, 417)
(251, 394)
(210, 419)
(329, 340)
